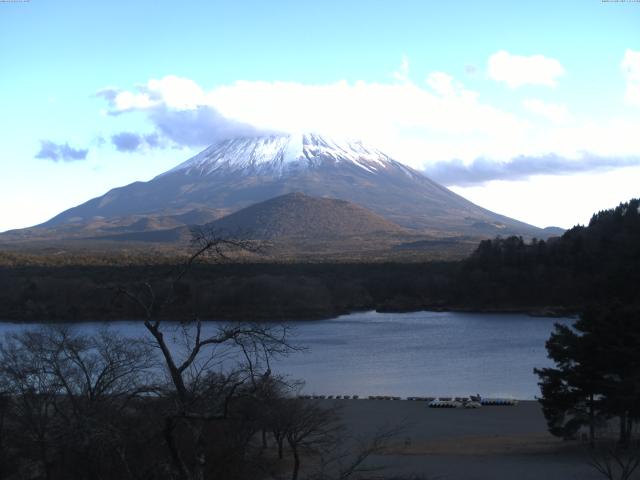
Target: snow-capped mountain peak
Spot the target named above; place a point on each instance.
(236, 173)
(277, 155)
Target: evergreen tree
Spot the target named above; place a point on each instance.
(597, 373)
(617, 330)
(570, 398)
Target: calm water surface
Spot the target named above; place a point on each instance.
(407, 354)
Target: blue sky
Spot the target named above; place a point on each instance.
(530, 109)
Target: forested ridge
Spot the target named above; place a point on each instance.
(595, 380)
(588, 264)
(593, 263)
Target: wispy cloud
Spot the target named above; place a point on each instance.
(60, 152)
(179, 109)
(131, 141)
(200, 126)
(482, 170)
(518, 70)
(126, 141)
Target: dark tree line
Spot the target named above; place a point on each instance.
(592, 264)
(596, 263)
(262, 291)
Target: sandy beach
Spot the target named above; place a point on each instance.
(500, 443)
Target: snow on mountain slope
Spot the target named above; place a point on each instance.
(239, 172)
(279, 155)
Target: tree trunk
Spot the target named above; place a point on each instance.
(592, 421)
(176, 375)
(200, 457)
(280, 441)
(624, 431)
(296, 463)
(125, 463)
(44, 458)
(176, 460)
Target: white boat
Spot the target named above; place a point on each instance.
(437, 403)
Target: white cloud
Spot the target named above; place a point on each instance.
(360, 108)
(435, 115)
(608, 138)
(418, 124)
(631, 69)
(518, 70)
(445, 85)
(402, 74)
(176, 92)
(554, 112)
(562, 201)
(170, 91)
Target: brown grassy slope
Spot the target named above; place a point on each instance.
(303, 216)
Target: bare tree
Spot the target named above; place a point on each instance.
(349, 457)
(199, 396)
(310, 428)
(4, 407)
(615, 462)
(33, 394)
(67, 392)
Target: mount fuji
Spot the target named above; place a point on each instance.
(236, 173)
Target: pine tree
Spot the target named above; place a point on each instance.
(597, 373)
(570, 397)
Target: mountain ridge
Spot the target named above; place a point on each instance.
(236, 173)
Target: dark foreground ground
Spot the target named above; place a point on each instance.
(498, 443)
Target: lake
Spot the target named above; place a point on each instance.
(406, 354)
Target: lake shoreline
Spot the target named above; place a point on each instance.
(547, 312)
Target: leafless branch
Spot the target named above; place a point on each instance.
(614, 462)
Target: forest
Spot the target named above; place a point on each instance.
(562, 275)
(586, 264)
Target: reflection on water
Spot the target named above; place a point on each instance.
(407, 354)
